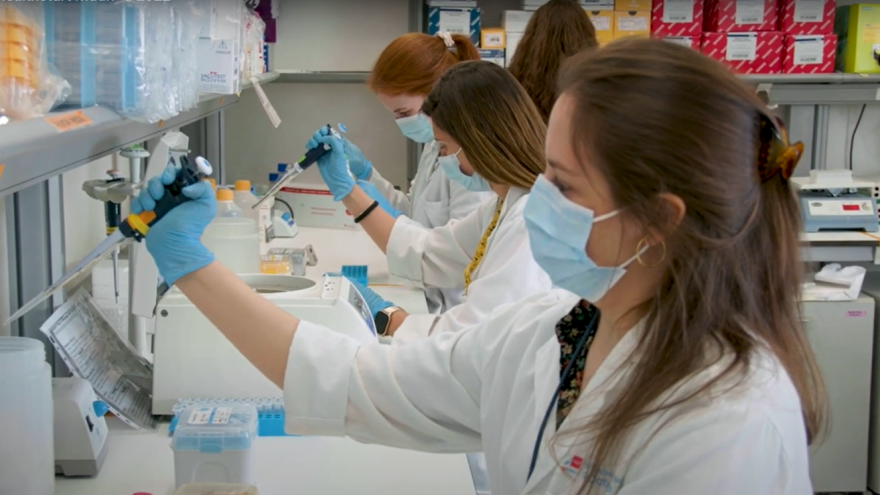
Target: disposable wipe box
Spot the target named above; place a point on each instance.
(807, 16)
(678, 18)
(725, 16)
(746, 53)
(808, 54)
(215, 445)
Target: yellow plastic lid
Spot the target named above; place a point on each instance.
(224, 195)
(212, 181)
(242, 185)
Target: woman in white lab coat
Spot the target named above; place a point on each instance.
(494, 139)
(402, 77)
(697, 378)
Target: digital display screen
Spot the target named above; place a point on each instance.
(850, 207)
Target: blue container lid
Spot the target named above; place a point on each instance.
(212, 429)
(282, 167)
(273, 177)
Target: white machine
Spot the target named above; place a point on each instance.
(830, 201)
(80, 429)
(192, 359)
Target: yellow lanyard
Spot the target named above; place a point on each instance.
(481, 247)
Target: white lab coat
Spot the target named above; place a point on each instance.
(487, 388)
(433, 201)
(438, 258)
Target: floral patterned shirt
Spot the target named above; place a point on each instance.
(569, 331)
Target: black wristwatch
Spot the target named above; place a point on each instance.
(383, 320)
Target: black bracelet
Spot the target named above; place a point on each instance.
(362, 216)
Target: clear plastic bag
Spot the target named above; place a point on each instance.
(27, 87)
(252, 43)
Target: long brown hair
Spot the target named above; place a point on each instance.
(490, 115)
(414, 62)
(557, 30)
(657, 118)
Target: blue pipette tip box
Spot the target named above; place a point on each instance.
(357, 273)
(270, 414)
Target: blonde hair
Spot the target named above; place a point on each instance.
(494, 120)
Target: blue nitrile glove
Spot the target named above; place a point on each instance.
(175, 240)
(357, 163)
(374, 301)
(375, 195)
(333, 165)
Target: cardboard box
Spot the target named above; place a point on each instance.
(677, 18)
(513, 40)
(635, 23)
(218, 64)
(727, 16)
(515, 21)
(493, 39)
(809, 54)
(313, 206)
(746, 53)
(806, 16)
(603, 23)
(625, 5)
(692, 42)
(455, 21)
(858, 38)
(493, 55)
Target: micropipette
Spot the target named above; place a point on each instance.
(134, 228)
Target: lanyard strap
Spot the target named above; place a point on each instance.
(591, 329)
(481, 247)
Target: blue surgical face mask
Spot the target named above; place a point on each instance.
(452, 168)
(558, 233)
(417, 127)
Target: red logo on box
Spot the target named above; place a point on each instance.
(725, 16)
(676, 20)
(808, 54)
(807, 17)
(746, 53)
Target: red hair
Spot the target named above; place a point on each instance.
(414, 62)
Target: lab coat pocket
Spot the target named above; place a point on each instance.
(437, 212)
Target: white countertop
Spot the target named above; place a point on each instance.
(144, 462)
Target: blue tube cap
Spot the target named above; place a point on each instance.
(273, 177)
(100, 408)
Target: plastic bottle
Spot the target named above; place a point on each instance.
(212, 182)
(226, 207)
(27, 449)
(245, 200)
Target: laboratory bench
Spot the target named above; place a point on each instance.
(144, 462)
(140, 461)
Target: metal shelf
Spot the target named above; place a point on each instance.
(843, 247)
(298, 76)
(34, 150)
(818, 89)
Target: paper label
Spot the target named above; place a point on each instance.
(675, 11)
(455, 21)
(686, 42)
(68, 121)
(809, 10)
(809, 50)
(210, 415)
(634, 23)
(741, 47)
(749, 11)
(601, 22)
(856, 314)
(267, 105)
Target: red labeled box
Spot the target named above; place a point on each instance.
(809, 54)
(676, 18)
(726, 16)
(807, 16)
(746, 53)
(688, 41)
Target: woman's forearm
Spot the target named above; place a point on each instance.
(261, 331)
(378, 224)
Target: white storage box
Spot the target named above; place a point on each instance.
(313, 206)
(215, 445)
(218, 66)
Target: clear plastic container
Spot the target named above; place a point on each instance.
(226, 207)
(276, 264)
(245, 199)
(216, 489)
(215, 445)
(27, 455)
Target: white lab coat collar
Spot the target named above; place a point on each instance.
(514, 194)
(613, 371)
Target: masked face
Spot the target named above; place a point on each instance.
(452, 168)
(406, 110)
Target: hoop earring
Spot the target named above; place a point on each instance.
(644, 242)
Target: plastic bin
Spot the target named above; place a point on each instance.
(215, 445)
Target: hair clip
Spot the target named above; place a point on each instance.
(447, 39)
(776, 154)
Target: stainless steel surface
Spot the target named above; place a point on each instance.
(291, 76)
(818, 89)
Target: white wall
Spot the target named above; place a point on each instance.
(84, 225)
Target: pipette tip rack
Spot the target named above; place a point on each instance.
(270, 413)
